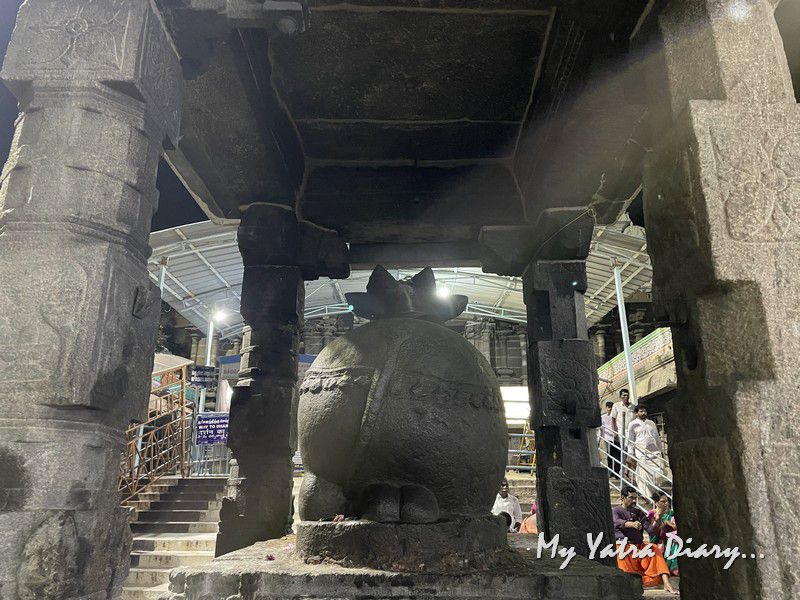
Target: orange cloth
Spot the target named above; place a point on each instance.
(651, 569)
(529, 525)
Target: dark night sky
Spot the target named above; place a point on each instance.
(176, 206)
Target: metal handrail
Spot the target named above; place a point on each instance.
(158, 446)
(152, 454)
(623, 456)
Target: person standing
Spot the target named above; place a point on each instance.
(630, 523)
(509, 504)
(610, 440)
(645, 446)
(622, 414)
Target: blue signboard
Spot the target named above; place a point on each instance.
(212, 428)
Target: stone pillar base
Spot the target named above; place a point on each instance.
(404, 546)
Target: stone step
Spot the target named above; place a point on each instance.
(218, 482)
(147, 578)
(173, 527)
(184, 505)
(181, 495)
(171, 516)
(205, 478)
(174, 542)
(192, 481)
(187, 487)
(170, 559)
(176, 489)
(153, 593)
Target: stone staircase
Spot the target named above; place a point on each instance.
(523, 486)
(175, 525)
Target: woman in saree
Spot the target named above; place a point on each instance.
(662, 518)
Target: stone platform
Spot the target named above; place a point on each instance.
(272, 570)
(466, 543)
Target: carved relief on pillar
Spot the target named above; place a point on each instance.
(760, 183)
(722, 198)
(121, 42)
(53, 348)
(565, 384)
(752, 158)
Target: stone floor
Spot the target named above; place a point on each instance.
(659, 593)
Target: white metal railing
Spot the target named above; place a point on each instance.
(212, 460)
(624, 456)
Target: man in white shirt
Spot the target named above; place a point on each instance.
(645, 445)
(622, 414)
(506, 503)
(607, 436)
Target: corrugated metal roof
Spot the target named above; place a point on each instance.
(167, 362)
(203, 276)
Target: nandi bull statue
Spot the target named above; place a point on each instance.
(403, 436)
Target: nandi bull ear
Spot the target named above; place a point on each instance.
(415, 298)
(381, 281)
(424, 281)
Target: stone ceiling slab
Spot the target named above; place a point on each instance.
(389, 65)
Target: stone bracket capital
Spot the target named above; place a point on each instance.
(121, 44)
(271, 235)
(559, 234)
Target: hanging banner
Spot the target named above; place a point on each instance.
(212, 428)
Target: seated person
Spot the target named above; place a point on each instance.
(662, 521)
(630, 522)
(529, 524)
(506, 503)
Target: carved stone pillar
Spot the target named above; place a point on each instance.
(722, 199)
(572, 487)
(481, 334)
(200, 352)
(193, 352)
(279, 253)
(99, 89)
(599, 340)
(313, 337)
(636, 325)
(523, 345)
(214, 349)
